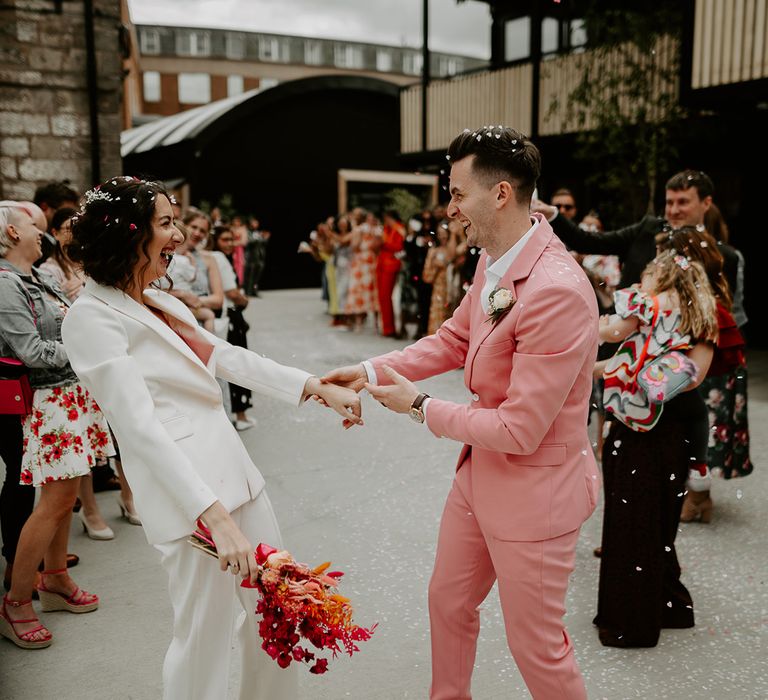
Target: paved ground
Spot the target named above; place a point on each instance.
(370, 499)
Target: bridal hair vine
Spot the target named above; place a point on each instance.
(500, 301)
(97, 194)
(682, 262)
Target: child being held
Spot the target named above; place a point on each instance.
(183, 272)
(673, 308)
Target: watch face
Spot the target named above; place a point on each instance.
(416, 414)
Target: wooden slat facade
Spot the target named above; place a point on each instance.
(729, 42)
(492, 97)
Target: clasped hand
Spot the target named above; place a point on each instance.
(341, 399)
(397, 396)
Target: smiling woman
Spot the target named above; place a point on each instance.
(154, 371)
(126, 234)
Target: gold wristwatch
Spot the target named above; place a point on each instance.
(416, 411)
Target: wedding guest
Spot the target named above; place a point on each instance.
(71, 280)
(725, 387)
(184, 272)
(255, 256)
(235, 302)
(206, 288)
(688, 196)
(342, 259)
(387, 268)
(715, 224)
(362, 298)
(154, 371)
(439, 257)
(648, 451)
(416, 293)
(53, 196)
(63, 436)
(58, 266)
(565, 202)
(241, 235)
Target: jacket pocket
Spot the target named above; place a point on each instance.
(178, 427)
(547, 455)
(491, 349)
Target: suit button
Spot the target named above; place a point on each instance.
(475, 397)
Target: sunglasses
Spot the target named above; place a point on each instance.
(567, 207)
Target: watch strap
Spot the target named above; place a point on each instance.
(418, 402)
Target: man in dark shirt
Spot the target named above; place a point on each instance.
(688, 197)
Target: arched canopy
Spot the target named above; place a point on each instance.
(201, 124)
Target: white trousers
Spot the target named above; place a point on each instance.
(205, 602)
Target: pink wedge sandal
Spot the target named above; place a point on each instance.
(24, 640)
(79, 602)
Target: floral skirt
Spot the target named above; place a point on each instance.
(63, 436)
(726, 399)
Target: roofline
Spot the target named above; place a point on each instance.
(310, 38)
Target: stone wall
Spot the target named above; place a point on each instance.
(45, 129)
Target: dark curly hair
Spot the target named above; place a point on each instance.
(113, 228)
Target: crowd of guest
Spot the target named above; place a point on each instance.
(397, 274)
(57, 439)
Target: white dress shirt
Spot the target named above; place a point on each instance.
(494, 271)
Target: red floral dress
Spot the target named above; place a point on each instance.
(64, 435)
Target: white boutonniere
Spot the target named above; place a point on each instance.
(500, 301)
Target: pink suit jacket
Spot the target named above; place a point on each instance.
(533, 473)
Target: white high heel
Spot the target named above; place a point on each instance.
(131, 516)
(105, 533)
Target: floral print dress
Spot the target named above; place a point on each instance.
(622, 397)
(64, 435)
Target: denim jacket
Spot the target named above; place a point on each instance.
(30, 326)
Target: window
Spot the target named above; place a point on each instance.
(150, 42)
(578, 33)
(412, 63)
(517, 39)
(448, 66)
(346, 56)
(235, 85)
(194, 88)
(193, 43)
(313, 53)
(272, 49)
(550, 28)
(235, 45)
(151, 88)
(384, 61)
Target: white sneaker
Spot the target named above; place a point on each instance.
(246, 424)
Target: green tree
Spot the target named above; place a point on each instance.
(626, 105)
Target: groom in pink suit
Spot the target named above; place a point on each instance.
(526, 479)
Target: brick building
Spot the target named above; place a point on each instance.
(177, 68)
(60, 94)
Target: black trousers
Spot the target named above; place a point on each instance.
(16, 500)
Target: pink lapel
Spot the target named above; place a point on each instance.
(482, 326)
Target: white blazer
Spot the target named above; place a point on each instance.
(179, 450)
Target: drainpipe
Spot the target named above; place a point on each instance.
(93, 92)
(424, 72)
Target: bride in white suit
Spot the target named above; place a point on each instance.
(153, 371)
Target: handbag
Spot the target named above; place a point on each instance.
(15, 390)
(666, 376)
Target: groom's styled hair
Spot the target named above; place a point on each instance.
(501, 153)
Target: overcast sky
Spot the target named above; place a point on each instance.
(462, 28)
